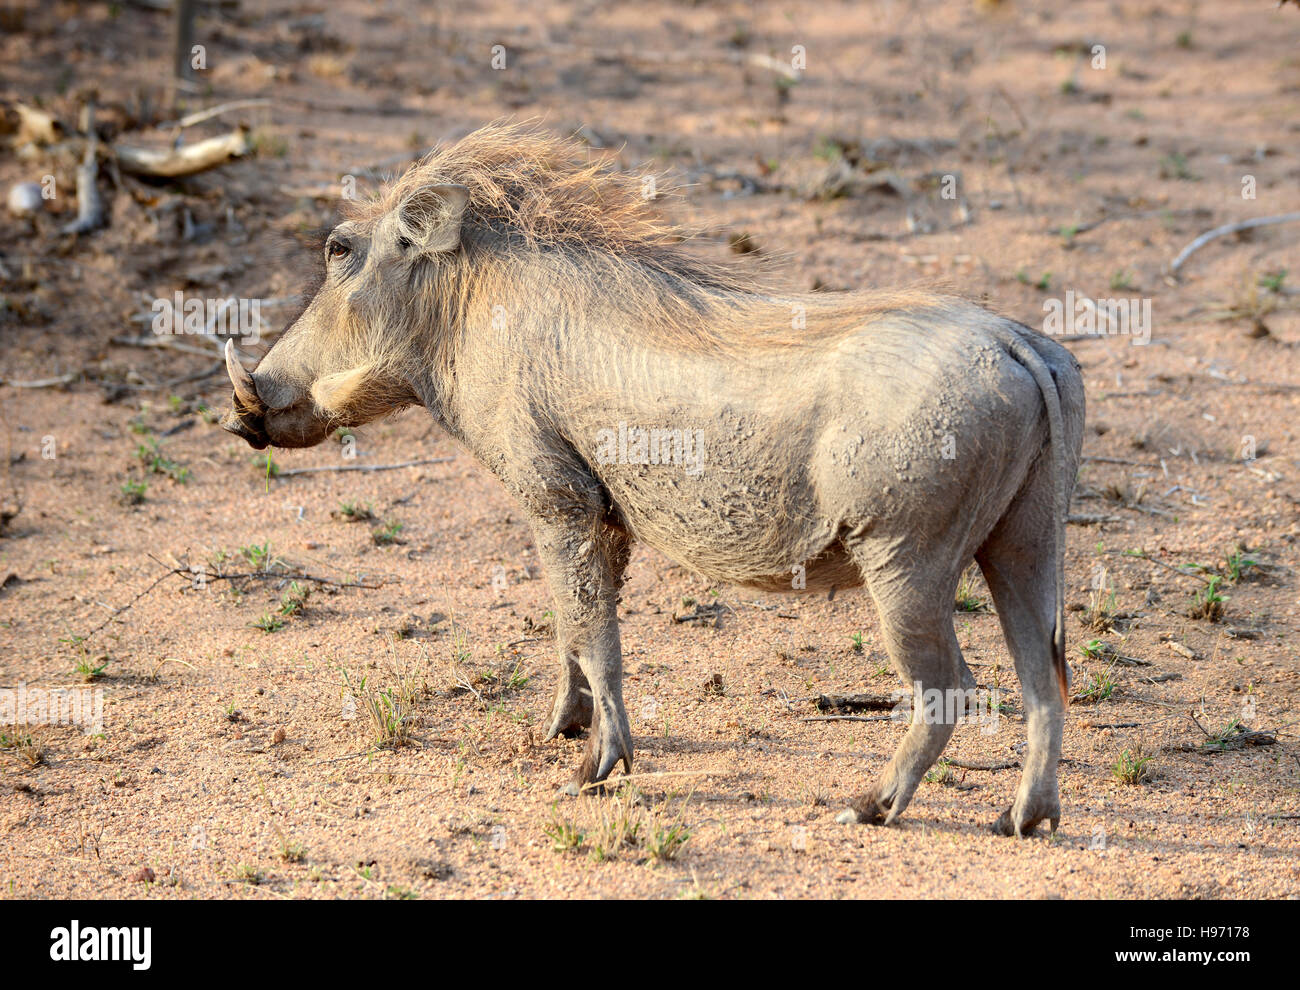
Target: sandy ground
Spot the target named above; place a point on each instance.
(238, 762)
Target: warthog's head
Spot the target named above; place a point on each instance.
(351, 356)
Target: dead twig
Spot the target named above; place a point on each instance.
(1227, 228)
(617, 781)
(848, 718)
(90, 208)
(273, 575)
(71, 376)
(363, 467)
(962, 765)
(174, 163)
(200, 116)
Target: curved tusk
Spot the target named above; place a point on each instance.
(240, 378)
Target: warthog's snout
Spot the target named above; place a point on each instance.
(268, 412)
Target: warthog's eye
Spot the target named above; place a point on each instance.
(336, 249)
(404, 243)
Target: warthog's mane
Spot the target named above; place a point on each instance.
(545, 220)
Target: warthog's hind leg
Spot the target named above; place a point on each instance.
(916, 619)
(1019, 564)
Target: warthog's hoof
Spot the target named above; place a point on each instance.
(866, 809)
(609, 744)
(570, 714)
(1023, 824)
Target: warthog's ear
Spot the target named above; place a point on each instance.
(431, 216)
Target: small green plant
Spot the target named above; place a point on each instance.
(294, 599)
(259, 556)
(1208, 602)
(88, 669)
(857, 642)
(249, 874)
(387, 534)
(1237, 563)
(665, 842)
(355, 512)
(1131, 767)
(265, 464)
(1094, 649)
(1099, 616)
(149, 453)
(133, 491)
(564, 836)
(268, 623)
(1174, 166)
(1121, 280)
(1272, 281)
(966, 599)
(1225, 737)
(387, 708)
(27, 747)
(941, 773)
(1098, 687)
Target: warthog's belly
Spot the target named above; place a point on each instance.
(833, 569)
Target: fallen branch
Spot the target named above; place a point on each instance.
(273, 576)
(188, 160)
(1122, 460)
(648, 776)
(90, 208)
(71, 376)
(855, 703)
(786, 70)
(961, 765)
(200, 116)
(362, 467)
(1226, 229)
(849, 718)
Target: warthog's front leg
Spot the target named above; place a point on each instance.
(585, 567)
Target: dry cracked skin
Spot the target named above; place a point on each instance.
(381, 736)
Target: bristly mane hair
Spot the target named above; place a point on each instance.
(534, 194)
(542, 191)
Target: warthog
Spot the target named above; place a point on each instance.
(538, 306)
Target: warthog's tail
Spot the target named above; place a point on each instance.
(1033, 362)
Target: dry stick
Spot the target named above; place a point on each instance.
(961, 765)
(184, 161)
(759, 60)
(90, 208)
(71, 376)
(202, 115)
(848, 718)
(183, 380)
(160, 341)
(647, 776)
(171, 660)
(267, 575)
(1227, 228)
(1122, 460)
(363, 467)
(128, 605)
